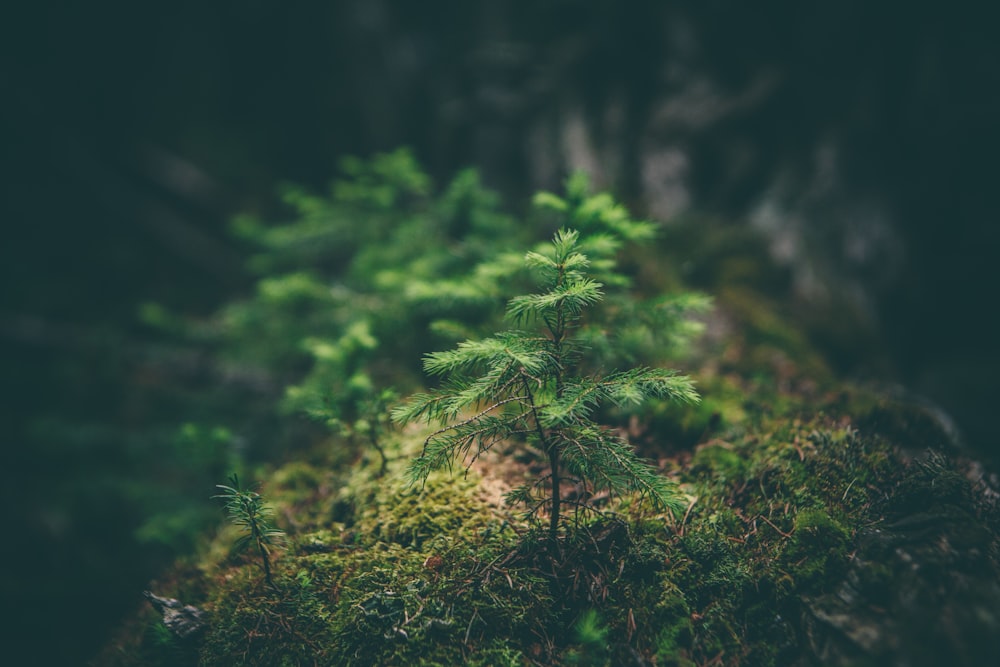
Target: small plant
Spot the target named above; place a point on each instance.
(247, 510)
(524, 384)
(374, 421)
(592, 640)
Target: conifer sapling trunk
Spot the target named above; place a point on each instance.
(522, 383)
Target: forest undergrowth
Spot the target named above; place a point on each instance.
(768, 497)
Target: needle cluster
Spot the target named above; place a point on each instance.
(247, 510)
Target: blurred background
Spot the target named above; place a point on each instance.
(859, 138)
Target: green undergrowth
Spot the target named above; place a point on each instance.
(380, 572)
(784, 467)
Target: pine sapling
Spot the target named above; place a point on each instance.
(247, 510)
(525, 383)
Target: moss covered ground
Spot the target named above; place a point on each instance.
(826, 524)
(783, 485)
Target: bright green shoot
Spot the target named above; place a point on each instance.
(247, 510)
(523, 384)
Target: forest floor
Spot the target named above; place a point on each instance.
(826, 524)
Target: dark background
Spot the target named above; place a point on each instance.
(859, 136)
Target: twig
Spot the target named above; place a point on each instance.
(768, 522)
(687, 513)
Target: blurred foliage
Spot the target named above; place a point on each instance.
(357, 286)
(349, 292)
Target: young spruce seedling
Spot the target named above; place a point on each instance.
(247, 510)
(524, 383)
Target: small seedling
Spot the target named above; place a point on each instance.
(524, 384)
(247, 510)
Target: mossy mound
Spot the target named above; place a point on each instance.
(825, 525)
(787, 510)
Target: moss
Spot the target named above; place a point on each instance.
(788, 470)
(297, 481)
(718, 463)
(912, 426)
(684, 425)
(410, 515)
(674, 632)
(384, 586)
(377, 571)
(256, 625)
(381, 572)
(931, 482)
(816, 554)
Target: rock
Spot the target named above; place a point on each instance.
(183, 620)
(922, 589)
